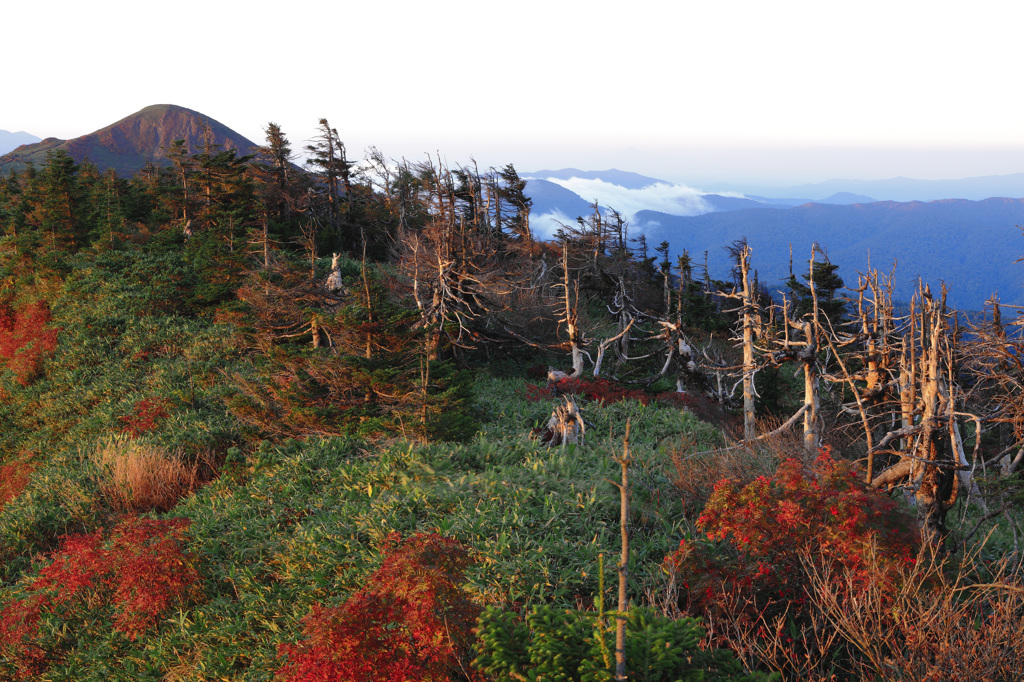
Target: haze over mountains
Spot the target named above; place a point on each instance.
(941, 230)
(10, 141)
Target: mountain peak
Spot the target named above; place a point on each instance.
(130, 144)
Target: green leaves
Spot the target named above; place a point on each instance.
(568, 646)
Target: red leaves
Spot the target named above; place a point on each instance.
(411, 621)
(603, 391)
(24, 339)
(139, 571)
(148, 413)
(19, 630)
(822, 513)
(13, 479)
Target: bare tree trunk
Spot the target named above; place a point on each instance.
(620, 619)
(749, 415)
(571, 317)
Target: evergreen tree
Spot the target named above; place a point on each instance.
(826, 285)
(274, 169)
(512, 189)
(331, 166)
(60, 201)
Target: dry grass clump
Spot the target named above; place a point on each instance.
(936, 620)
(137, 476)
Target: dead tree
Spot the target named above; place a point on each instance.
(452, 267)
(750, 321)
(570, 316)
(680, 354)
(569, 303)
(995, 360)
(928, 397)
(868, 356)
(804, 351)
(623, 602)
(565, 426)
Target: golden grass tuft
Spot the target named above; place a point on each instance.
(137, 477)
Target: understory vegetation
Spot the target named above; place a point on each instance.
(357, 423)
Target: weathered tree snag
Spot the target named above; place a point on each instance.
(928, 416)
(749, 418)
(805, 352)
(565, 426)
(604, 345)
(680, 352)
(334, 279)
(750, 317)
(570, 316)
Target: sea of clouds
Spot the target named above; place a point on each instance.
(663, 197)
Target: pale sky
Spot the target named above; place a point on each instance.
(726, 90)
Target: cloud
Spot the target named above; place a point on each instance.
(662, 197)
(546, 225)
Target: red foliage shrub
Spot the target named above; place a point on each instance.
(24, 339)
(410, 621)
(603, 391)
(147, 414)
(19, 631)
(14, 477)
(770, 527)
(139, 571)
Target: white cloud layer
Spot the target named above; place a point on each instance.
(545, 226)
(662, 197)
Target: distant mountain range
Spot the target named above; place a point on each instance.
(972, 245)
(133, 142)
(898, 189)
(10, 141)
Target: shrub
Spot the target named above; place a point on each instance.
(132, 576)
(561, 645)
(136, 476)
(754, 581)
(14, 476)
(603, 391)
(694, 474)
(411, 621)
(25, 338)
(19, 632)
(935, 619)
(145, 418)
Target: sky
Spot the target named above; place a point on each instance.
(698, 92)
